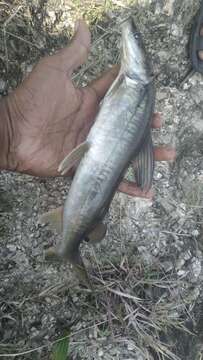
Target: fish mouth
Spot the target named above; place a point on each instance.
(134, 62)
(132, 34)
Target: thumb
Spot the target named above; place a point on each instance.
(103, 83)
(74, 55)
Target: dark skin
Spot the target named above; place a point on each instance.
(46, 117)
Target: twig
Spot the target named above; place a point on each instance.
(4, 32)
(20, 38)
(187, 76)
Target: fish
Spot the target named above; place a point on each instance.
(120, 136)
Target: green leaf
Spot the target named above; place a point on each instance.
(61, 348)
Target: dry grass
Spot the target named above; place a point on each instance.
(30, 29)
(133, 305)
(140, 303)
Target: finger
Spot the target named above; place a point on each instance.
(156, 120)
(102, 84)
(130, 188)
(164, 153)
(74, 55)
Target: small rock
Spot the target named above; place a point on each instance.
(158, 176)
(197, 95)
(176, 31)
(75, 299)
(169, 7)
(196, 269)
(29, 69)
(52, 15)
(157, 9)
(161, 95)
(163, 55)
(186, 86)
(11, 247)
(180, 263)
(182, 273)
(195, 232)
(155, 251)
(131, 346)
(100, 353)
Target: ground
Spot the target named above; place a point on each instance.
(147, 272)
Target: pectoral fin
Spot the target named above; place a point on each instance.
(72, 158)
(97, 234)
(53, 218)
(144, 165)
(51, 254)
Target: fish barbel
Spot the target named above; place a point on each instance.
(121, 133)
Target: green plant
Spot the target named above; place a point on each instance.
(61, 348)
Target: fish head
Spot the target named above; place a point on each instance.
(134, 62)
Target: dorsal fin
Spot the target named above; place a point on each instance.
(144, 164)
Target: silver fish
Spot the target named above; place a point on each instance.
(121, 133)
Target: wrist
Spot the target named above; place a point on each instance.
(8, 159)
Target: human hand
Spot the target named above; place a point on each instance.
(47, 116)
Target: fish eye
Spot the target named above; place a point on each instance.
(136, 35)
